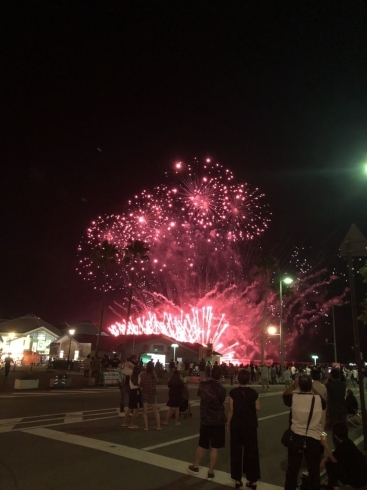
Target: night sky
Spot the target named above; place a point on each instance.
(99, 99)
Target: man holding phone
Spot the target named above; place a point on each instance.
(336, 407)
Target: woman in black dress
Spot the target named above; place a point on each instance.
(176, 388)
(242, 425)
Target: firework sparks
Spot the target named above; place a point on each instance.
(198, 326)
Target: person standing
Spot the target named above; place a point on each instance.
(265, 377)
(148, 380)
(231, 373)
(87, 366)
(287, 378)
(306, 429)
(202, 370)
(125, 374)
(134, 395)
(321, 390)
(212, 421)
(175, 394)
(242, 425)
(8, 360)
(273, 375)
(336, 408)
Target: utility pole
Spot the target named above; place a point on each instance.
(355, 245)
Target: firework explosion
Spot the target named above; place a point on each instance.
(196, 287)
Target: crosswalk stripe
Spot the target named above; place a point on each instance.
(221, 477)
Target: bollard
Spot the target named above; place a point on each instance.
(56, 383)
(63, 382)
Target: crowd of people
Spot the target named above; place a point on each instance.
(319, 399)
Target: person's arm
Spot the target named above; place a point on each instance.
(230, 413)
(257, 405)
(327, 377)
(328, 451)
(293, 387)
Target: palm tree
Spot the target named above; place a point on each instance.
(135, 253)
(103, 256)
(266, 269)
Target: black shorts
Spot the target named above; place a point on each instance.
(212, 436)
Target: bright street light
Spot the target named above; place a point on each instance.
(272, 330)
(286, 280)
(315, 358)
(174, 351)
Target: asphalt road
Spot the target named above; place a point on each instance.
(74, 440)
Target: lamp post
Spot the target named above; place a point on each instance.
(71, 333)
(286, 280)
(174, 351)
(315, 359)
(273, 331)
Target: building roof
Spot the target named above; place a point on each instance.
(194, 347)
(107, 343)
(85, 327)
(27, 324)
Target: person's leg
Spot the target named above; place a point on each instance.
(199, 454)
(236, 449)
(294, 463)
(134, 412)
(168, 416)
(251, 462)
(312, 456)
(145, 415)
(335, 473)
(177, 416)
(212, 459)
(156, 415)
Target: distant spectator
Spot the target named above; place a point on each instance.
(87, 363)
(287, 378)
(265, 377)
(8, 360)
(202, 370)
(115, 362)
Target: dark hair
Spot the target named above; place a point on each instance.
(315, 374)
(176, 377)
(305, 382)
(243, 377)
(335, 373)
(149, 368)
(340, 430)
(349, 391)
(135, 375)
(216, 372)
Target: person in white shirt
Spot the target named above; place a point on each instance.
(305, 431)
(321, 389)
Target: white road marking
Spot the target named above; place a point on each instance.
(177, 441)
(73, 417)
(6, 425)
(127, 452)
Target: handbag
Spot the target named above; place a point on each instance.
(287, 434)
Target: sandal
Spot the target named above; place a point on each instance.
(238, 484)
(251, 484)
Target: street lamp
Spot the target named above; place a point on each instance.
(273, 331)
(71, 333)
(315, 359)
(174, 351)
(286, 280)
